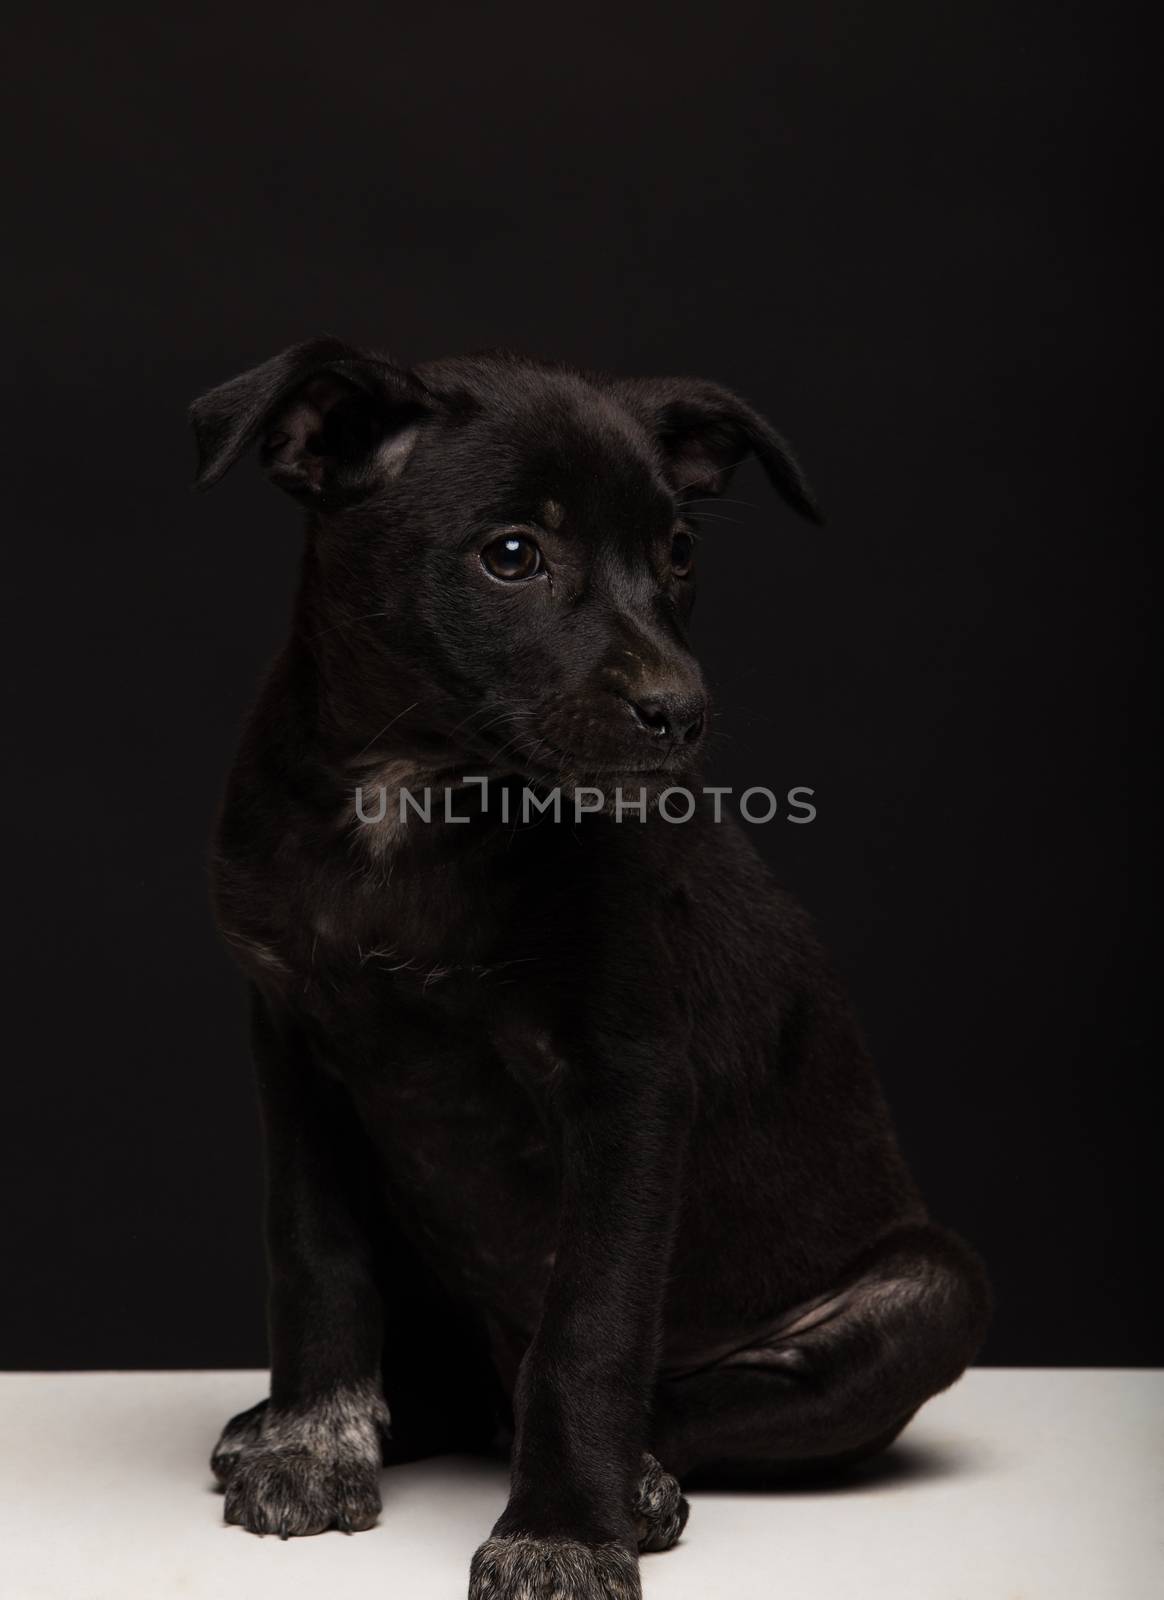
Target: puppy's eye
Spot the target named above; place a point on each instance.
(512, 558)
(682, 554)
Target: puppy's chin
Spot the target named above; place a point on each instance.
(543, 765)
(633, 796)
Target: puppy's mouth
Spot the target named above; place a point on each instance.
(569, 745)
(548, 766)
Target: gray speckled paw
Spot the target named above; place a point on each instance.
(291, 1493)
(521, 1568)
(300, 1471)
(660, 1511)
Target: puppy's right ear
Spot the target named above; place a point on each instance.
(331, 422)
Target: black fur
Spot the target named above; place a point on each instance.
(569, 1130)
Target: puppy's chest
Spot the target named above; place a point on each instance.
(332, 937)
(429, 990)
(466, 1152)
(441, 1031)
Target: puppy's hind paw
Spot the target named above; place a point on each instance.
(518, 1567)
(660, 1510)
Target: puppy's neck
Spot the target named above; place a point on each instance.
(385, 794)
(387, 775)
(406, 799)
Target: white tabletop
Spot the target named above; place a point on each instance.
(1016, 1485)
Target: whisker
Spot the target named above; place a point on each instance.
(377, 736)
(480, 711)
(724, 470)
(349, 623)
(722, 499)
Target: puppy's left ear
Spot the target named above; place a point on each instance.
(705, 431)
(330, 421)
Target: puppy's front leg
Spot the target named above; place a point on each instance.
(309, 1458)
(583, 1390)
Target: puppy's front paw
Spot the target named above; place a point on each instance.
(295, 1472)
(660, 1509)
(292, 1493)
(516, 1567)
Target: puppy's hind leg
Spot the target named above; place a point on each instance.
(836, 1380)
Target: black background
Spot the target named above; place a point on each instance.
(911, 233)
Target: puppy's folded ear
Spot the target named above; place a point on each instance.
(330, 421)
(705, 432)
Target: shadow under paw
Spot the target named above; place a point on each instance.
(521, 1568)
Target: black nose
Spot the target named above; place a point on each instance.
(670, 716)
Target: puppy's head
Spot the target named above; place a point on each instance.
(501, 559)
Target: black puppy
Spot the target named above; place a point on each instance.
(568, 1128)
